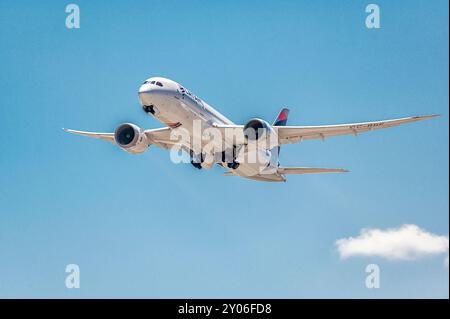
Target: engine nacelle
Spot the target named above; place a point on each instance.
(255, 129)
(131, 138)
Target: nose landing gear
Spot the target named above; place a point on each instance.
(149, 109)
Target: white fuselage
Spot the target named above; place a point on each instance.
(175, 106)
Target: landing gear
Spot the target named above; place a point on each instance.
(200, 161)
(149, 109)
(196, 160)
(196, 165)
(233, 165)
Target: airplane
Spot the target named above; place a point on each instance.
(177, 107)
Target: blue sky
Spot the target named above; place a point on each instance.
(141, 226)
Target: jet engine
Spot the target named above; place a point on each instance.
(255, 129)
(131, 138)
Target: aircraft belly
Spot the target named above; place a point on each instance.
(169, 114)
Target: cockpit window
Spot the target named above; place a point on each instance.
(154, 82)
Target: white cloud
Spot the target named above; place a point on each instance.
(409, 242)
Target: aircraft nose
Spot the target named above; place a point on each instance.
(144, 88)
(144, 94)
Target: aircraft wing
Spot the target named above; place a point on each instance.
(103, 136)
(286, 134)
(159, 137)
(294, 134)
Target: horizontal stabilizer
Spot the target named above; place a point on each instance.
(229, 173)
(309, 170)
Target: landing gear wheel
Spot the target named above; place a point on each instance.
(233, 165)
(149, 109)
(196, 165)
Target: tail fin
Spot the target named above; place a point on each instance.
(281, 120)
(282, 117)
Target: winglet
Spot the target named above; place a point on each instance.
(426, 117)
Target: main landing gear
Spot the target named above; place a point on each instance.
(196, 165)
(233, 165)
(196, 160)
